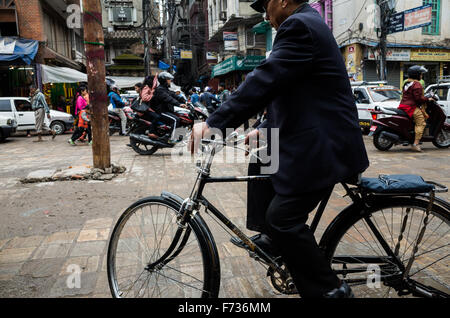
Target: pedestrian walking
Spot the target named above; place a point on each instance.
(84, 126)
(82, 99)
(41, 109)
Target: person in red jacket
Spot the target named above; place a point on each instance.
(413, 102)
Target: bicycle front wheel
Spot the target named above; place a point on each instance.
(147, 259)
(374, 251)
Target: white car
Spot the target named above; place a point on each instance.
(369, 95)
(8, 126)
(19, 108)
(442, 90)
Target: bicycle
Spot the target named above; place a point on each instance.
(162, 247)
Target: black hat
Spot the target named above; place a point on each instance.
(258, 5)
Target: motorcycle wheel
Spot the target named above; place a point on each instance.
(142, 149)
(381, 143)
(442, 140)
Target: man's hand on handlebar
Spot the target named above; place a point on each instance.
(253, 140)
(199, 131)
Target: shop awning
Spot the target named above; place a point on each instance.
(12, 48)
(237, 63)
(262, 27)
(125, 82)
(56, 74)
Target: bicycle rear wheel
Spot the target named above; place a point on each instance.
(358, 256)
(137, 262)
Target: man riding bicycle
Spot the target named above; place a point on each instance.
(320, 143)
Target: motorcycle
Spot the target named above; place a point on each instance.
(146, 139)
(398, 128)
(115, 122)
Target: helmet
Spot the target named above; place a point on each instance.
(207, 89)
(415, 71)
(257, 5)
(164, 76)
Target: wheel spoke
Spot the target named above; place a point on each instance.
(144, 235)
(358, 248)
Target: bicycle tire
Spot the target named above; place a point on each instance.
(208, 281)
(342, 237)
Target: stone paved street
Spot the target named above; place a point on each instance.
(45, 228)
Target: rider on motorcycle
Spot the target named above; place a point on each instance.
(413, 102)
(163, 103)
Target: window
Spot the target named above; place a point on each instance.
(361, 96)
(5, 105)
(22, 105)
(224, 5)
(434, 27)
(442, 92)
(250, 37)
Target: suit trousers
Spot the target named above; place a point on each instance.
(286, 224)
(259, 196)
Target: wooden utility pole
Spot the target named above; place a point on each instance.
(95, 64)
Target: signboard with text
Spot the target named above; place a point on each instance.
(418, 17)
(394, 54)
(230, 40)
(410, 19)
(186, 54)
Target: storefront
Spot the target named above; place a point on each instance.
(361, 62)
(233, 70)
(17, 71)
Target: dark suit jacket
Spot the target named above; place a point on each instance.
(311, 102)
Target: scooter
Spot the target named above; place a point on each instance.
(146, 139)
(397, 128)
(115, 124)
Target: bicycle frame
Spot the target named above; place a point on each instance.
(191, 206)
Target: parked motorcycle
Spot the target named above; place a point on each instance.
(146, 139)
(398, 127)
(115, 124)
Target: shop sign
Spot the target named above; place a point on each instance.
(410, 19)
(230, 40)
(248, 63)
(396, 23)
(418, 17)
(186, 54)
(434, 55)
(176, 54)
(211, 56)
(224, 67)
(402, 55)
(236, 63)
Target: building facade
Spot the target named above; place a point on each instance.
(355, 26)
(44, 23)
(124, 22)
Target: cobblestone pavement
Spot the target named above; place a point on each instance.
(47, 227)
